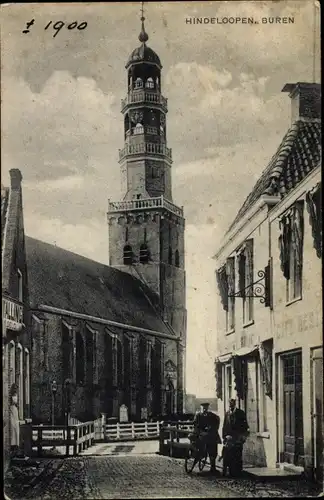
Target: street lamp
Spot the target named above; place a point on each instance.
(54, 391)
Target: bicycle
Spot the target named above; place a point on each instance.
(196, 456)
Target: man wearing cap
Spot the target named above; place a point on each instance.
(206, 424)
(235, 429)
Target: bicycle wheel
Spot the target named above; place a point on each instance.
(202, 462)
(190, 461)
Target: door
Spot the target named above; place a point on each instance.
(317, 394)
(293, 409)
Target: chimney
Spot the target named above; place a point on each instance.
(16, 178)
(305, 101)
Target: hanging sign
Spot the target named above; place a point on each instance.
(12, 314)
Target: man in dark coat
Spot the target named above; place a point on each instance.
(206, 424)
(235, 429)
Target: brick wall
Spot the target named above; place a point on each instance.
(98, 396)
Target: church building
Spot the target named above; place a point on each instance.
(110, 335)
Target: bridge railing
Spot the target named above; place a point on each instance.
(131, 431)
(173, 439)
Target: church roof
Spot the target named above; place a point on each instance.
(143, 54)
(62, 279)
(298, 154)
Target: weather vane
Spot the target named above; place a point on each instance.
(143, 37)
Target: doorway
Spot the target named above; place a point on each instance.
(317, 407)
(293, 408)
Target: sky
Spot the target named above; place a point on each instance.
(62, 126)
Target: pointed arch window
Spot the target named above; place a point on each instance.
(120, 363)
(170, 256)
(177, 258)
(128, 255)
(144, 253)
(80, 359)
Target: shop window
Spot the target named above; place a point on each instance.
(245, 265)
(228, 385)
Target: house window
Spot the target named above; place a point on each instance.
(230, 313)
(291, 250)
(128, 255)
(20, 286)
(245, 266)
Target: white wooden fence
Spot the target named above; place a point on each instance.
(131, 430)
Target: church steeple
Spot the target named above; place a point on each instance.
(146, 229)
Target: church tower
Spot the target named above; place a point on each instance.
(146, 229)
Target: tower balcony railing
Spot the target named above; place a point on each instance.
(145, 203)
(145, 147)
(143, 96)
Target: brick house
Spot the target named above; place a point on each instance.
(15, 313)
(269, 326)
(99, 328)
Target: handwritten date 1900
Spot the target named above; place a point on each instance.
(60, 24)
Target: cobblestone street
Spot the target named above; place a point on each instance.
(144, 476)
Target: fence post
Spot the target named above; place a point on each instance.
(118, 430)
(146, 429)
(39, 444)
(178, 438)
(104, 426)
(133, 430)
(161, 440)
(171, 443)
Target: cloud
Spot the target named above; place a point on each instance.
(62, 131)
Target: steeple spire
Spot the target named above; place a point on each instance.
(143, 36)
